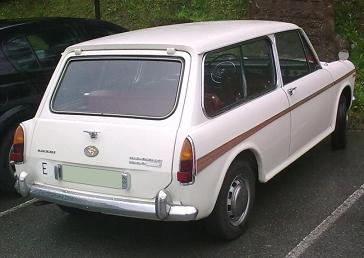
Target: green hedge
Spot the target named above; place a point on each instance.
(349, 15)
(132, 14)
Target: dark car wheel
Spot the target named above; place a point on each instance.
(7, 178)
(234, 202)
(338, 140)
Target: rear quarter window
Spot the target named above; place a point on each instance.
(119, 87)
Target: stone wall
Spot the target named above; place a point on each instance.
(316, 17)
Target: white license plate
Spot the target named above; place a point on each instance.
(96, 177)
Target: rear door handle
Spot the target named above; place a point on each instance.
(291, 90)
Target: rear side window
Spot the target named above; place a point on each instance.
(121, 87)
(21, 54)
(233, 76)
(292, 58)
(49, 44)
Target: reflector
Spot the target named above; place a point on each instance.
(17, 150)
(187, 160)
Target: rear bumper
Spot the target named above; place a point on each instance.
(159, 209)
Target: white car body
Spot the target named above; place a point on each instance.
(276, 127)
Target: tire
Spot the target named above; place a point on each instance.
(338, 139)
(7, 178)
(229, 216)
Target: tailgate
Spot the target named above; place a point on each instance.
(142, 153)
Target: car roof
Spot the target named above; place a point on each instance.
(196, 37)
(11, 23)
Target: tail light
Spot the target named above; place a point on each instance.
(187, 167)
(17, 150)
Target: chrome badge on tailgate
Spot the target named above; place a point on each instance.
(91, 151)
(148, 162)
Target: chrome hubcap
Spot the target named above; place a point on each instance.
(238, 200)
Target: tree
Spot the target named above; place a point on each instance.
(316, 17)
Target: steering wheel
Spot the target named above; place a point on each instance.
(220, 70)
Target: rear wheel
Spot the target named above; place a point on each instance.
(234, 202)
(338, 140)
(7, 172)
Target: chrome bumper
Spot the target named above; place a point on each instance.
(159, 209)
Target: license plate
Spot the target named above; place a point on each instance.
(96, 177)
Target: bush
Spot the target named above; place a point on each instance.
(349, 16)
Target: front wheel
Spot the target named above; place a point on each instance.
(234, 202)
(338, 140)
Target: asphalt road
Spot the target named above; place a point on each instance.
(287, 209)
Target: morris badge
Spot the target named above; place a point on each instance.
(91, 151)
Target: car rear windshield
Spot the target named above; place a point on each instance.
(119, 87)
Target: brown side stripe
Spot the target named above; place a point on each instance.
(206, 160)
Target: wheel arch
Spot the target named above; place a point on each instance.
(348, 95)
(251, 156)
(16, 115)
(249, 153)
(345, 90)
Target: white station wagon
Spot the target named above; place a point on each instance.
(180, 122)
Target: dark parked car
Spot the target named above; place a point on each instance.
(29, 51)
